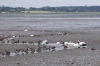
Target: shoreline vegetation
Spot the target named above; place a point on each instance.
(47, 9)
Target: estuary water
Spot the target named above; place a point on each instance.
(61, 21)
(50, 16)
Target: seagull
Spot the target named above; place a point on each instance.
(25, 30)
(32, 35)
(13, 36)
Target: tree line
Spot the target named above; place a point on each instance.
(55, 9)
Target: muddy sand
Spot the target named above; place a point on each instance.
(87, 30)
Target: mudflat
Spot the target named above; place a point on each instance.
(83, 29)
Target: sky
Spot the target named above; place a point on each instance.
(42, 3)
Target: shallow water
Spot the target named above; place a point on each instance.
(35, 21)
(66, 15)
(58, 48)
(62, 19)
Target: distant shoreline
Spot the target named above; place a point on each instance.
(49, 12)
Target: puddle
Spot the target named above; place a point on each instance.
(12, 54)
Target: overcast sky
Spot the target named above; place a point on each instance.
(41, 3)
